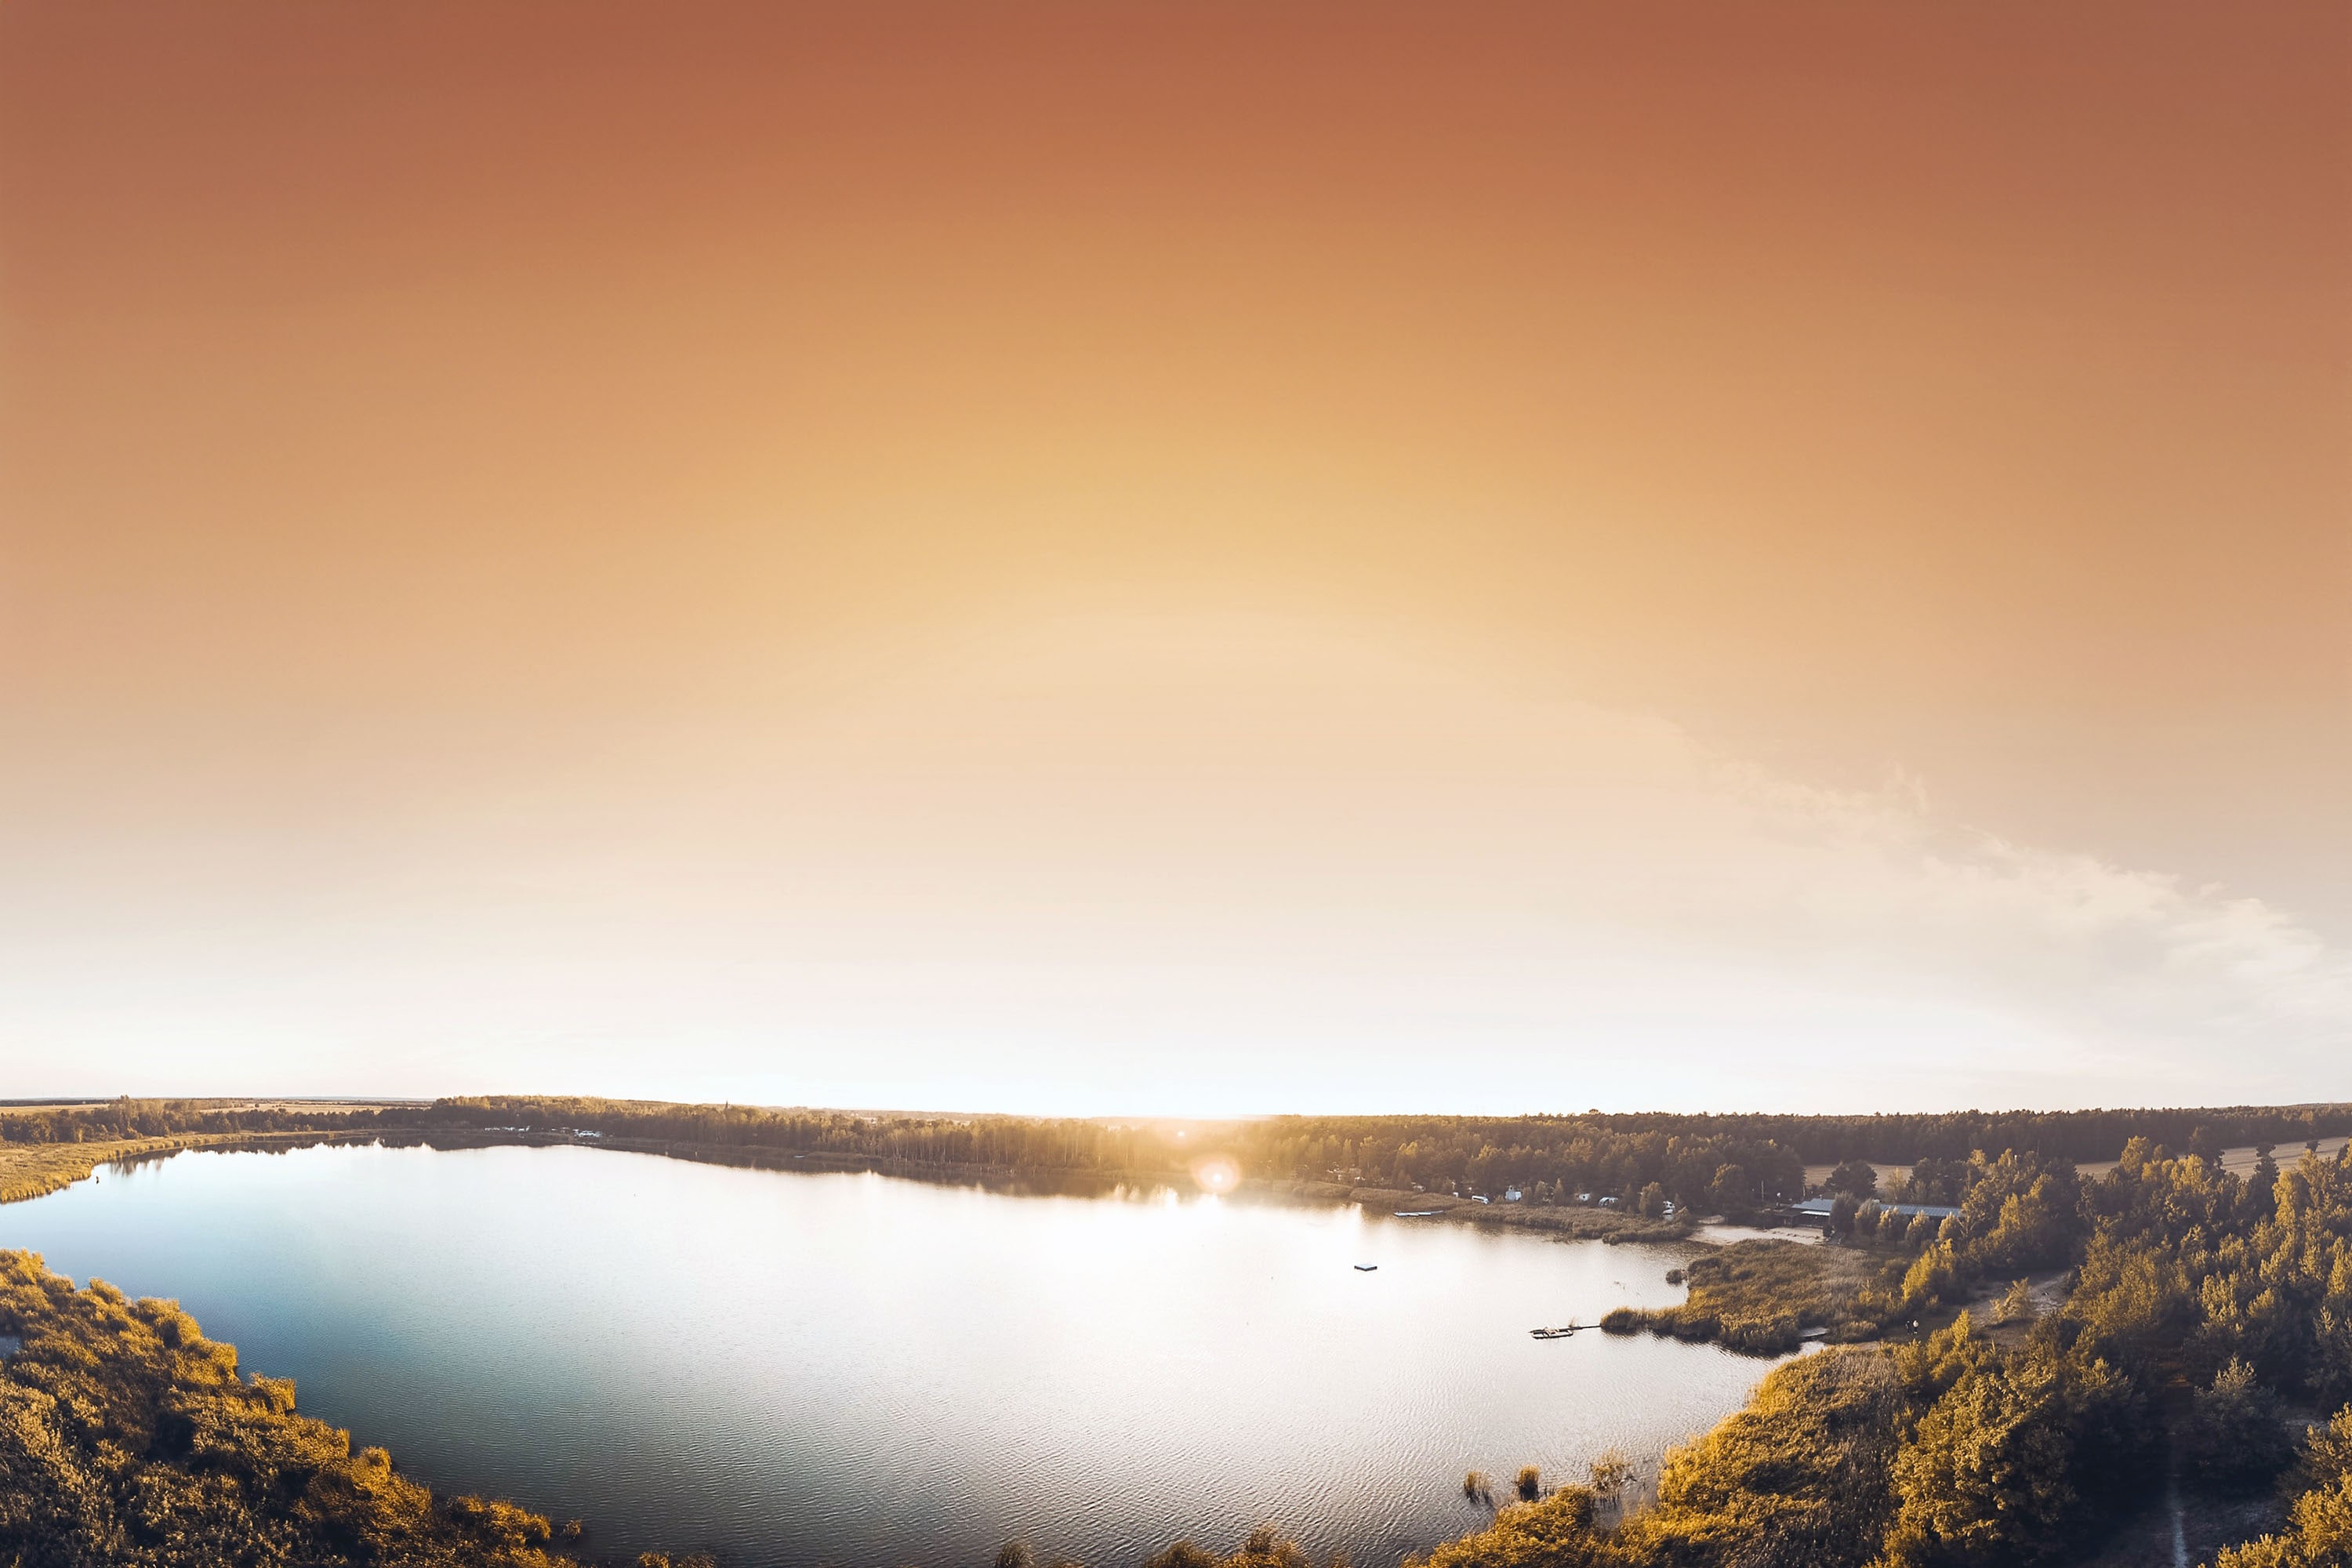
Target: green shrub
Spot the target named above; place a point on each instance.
(2236, 1437)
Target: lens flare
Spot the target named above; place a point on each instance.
(1217, 1175)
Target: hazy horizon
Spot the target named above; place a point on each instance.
(1154, 1118)
(1177, 563)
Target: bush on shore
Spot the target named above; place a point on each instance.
(127, 1438)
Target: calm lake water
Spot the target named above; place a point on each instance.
(815, 1368)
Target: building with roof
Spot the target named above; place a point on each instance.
(1816, 1210)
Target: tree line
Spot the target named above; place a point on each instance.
(114, 1120)
(1722, 1162)
(1617, 1154)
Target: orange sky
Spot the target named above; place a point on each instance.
(1068, 557)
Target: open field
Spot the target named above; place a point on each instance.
(1718, 1232)
(2239, 1162)
(1892, 1174)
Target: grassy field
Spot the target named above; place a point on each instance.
(35, 1170)
(2239, 1160)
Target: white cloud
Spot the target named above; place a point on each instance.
(1202, 866)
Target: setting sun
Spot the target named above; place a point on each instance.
(1216, 1176)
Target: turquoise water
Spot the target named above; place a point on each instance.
(794, 1369)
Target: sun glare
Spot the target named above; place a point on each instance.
(1217, 1175)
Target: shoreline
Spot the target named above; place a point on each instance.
(29, 1171)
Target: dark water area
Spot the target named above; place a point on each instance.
(795, 1370)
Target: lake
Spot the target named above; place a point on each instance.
(795, 1370)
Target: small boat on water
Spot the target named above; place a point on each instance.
(1367, 1268)
(1415, 1214)
(1559, 1333)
